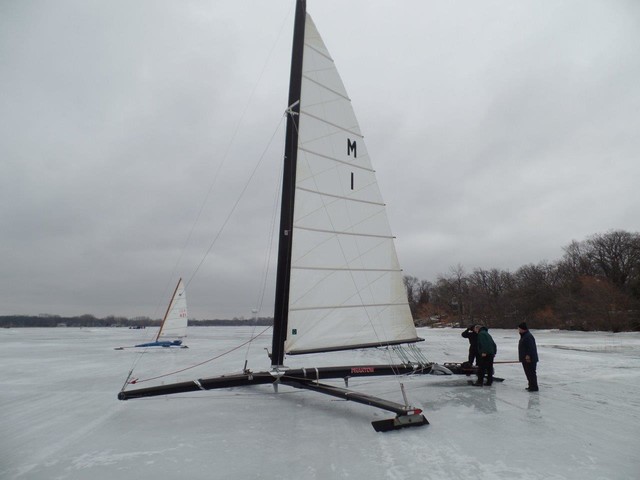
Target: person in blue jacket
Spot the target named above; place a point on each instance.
(486, 352)
(528, 356)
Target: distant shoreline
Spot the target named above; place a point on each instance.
(49, 321)
(52, 321)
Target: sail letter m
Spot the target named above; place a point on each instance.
(351, 147)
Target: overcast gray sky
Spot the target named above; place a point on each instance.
(500, 131)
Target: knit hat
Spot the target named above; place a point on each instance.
(523, 326)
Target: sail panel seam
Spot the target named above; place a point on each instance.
(346, 269)
(332, 307)
(326, 88)
(328, 57)
(342, 197)
(336, 232)
(306, 150)
(344, 129)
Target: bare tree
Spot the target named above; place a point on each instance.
(615, 255)
(411, 285)
(489, 292)
(595, 285)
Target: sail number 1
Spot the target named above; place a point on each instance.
(352, 147)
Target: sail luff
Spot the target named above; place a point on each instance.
(174, 323)
(283, 277)
(169, 307)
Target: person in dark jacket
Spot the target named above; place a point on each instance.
(471, 335)
(528, 356)
(486, 352)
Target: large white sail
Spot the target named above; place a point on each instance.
(174, 325)
(339, 285)
(346, 283)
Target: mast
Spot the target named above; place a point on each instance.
(166, 314)
(281, 309)
(375, 285)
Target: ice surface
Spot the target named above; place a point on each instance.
(61, 419)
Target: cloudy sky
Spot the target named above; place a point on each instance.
(500, 130)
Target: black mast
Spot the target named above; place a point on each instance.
(306, 378)
(281, 309)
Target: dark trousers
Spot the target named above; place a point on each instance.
(530, 372)
(473, 353)
(485, 366)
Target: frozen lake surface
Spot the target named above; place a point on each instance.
(61, 418)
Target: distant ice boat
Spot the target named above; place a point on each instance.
(174, 325)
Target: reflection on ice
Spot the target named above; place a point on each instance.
(533, 406)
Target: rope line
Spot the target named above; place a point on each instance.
(201, 363)
(235, 205)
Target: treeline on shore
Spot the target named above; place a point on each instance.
(23, 321)
(595, 286)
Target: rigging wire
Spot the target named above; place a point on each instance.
(226, 155)
(235, 205)
(240, 196)
(215, 178)
(200, 363)
(267, 262)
